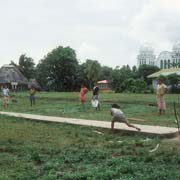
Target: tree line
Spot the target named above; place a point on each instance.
(60, 70)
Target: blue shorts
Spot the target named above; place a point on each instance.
(32, 98)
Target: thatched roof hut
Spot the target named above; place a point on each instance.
(35, 84)
(11, 76)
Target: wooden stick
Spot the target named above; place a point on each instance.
(135, 119)
(155, 149)
(175, 114)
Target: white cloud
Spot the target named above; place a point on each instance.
(109, 31)
(158, 23)
(87, 51)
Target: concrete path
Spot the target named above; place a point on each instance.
(145, 129)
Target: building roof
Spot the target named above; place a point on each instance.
(34, 83)
(165, 55)
(10, 74)
(165, 72)
(146, 48)
(176, 46)
(103, 82)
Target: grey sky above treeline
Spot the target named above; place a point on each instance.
(110, 31)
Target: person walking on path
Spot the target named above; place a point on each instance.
(32, 93)
(118, 116)
(161, 90)
(82, 94)
(5, 94)
(95, 97)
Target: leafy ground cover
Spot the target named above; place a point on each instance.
(68, 105)
(48, 151)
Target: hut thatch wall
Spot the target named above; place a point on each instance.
(11, 76)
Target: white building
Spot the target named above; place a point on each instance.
(146, 55)
(165, 60)
(176, 54)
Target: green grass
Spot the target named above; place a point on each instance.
(44, 151)
(68, 105)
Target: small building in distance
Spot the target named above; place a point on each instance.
(165, 60)
(163, 72)
(146, 55)
(104, 85)
(35, 84)
(13, 78)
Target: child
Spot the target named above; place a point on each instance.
(83, 92)
(95, 98)
(118, 116)
(32, 93)
(5, 94)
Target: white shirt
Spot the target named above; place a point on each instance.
(5, 92)
(118, 115)
(161, 89)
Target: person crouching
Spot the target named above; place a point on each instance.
(118, 116)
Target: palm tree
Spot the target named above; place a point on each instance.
(92, 71)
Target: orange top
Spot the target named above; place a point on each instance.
(83, 92)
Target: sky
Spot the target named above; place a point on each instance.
(110, 31)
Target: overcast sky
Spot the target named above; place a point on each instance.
(110, 31)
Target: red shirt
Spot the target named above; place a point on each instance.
(83, 92)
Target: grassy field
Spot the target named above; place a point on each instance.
(48, 151)
(68, 105)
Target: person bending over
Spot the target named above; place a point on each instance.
(118, 116)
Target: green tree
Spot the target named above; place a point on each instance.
(81, 77)
(134, 85)
(92, 71)
(173, 80)
(57, 71)
(26, 66)
(140, 86)
(145, 70)
(106, 73)
(119, 75)
(129, 85)
(134, 71)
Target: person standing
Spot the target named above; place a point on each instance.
(5, 94)
(95, 97)
(32, 93)
(161, 90)
(82, 94)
